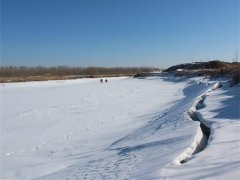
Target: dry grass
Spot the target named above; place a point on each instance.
(22, 74)
(211, 68)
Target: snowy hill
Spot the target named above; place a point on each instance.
(127, 128)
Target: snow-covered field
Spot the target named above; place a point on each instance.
(124, 129)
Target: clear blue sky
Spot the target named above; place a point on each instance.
(117, 32)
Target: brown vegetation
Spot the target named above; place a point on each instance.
(235, 76)
(213, 65)
(212, 68)
(20, 74)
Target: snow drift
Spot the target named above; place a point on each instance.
(124, 129)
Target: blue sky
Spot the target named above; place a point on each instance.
(117, 32)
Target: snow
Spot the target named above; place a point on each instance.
(221, 158)
(124, 129)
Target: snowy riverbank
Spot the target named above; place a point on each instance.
(126, 128)
(221, 158)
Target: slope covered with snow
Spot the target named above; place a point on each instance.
(126, 128)
(221, 158)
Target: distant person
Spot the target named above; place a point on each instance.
(101, 80)
(106, 81)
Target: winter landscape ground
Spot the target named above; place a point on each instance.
(156, 127)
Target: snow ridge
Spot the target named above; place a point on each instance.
(203, 132)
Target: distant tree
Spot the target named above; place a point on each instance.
(91, 71)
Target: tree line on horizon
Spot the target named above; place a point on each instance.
(24, 71)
